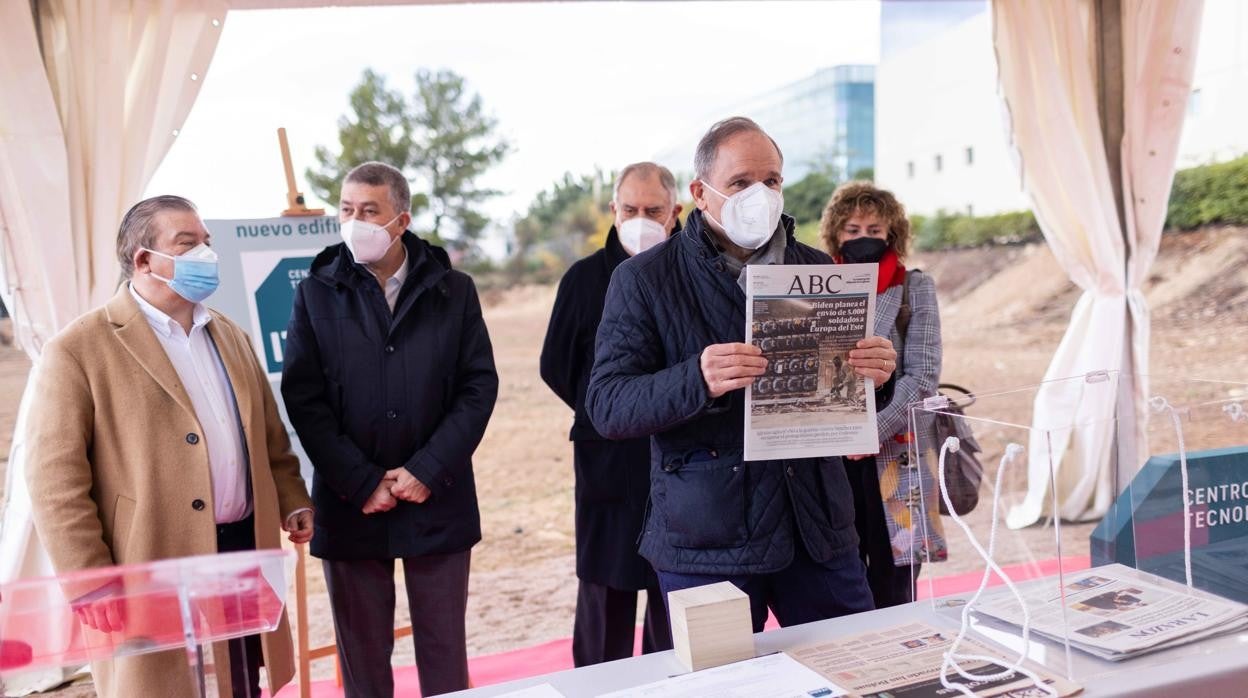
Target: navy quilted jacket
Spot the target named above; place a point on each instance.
(710, 512)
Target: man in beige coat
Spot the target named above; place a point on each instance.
(155, 435)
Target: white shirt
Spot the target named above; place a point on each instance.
(203, 376)
(394, 284)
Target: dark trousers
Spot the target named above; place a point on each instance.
(606, 620)
(891, 584)
(245, 652)
(803, 592)
(361, 594)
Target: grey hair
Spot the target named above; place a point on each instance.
(720, 131)
(376, 174)
(136, 227)
(646, 170)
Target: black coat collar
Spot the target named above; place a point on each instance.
(426, 264)
(614, 250)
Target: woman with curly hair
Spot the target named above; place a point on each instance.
(897, 530)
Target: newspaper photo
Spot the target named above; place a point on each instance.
(1115, 612)
(904, 662)
(805, 319)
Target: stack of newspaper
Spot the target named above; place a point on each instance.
(904, 661)
(1115, 612)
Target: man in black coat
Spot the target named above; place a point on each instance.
(612, 477)
(670, 362)
(389, 381)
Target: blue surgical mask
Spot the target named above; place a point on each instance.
(194, 273)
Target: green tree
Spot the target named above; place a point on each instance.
(454, 144)
(1210, 194)
(866, 174)
(805, 199)
(442, 139)
(560, 220)
(377, 128)
(566, 208)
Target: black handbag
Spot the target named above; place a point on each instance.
(963, 471)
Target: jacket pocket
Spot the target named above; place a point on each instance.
(704, 501)
(123, 520)
(337, 399)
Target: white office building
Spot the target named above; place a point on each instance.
(825, 119)
(1216, 128)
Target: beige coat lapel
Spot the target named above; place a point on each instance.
(238, 366)
(139, 339)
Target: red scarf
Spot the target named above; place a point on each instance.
(892, 272)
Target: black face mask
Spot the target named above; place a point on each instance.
(863, 250)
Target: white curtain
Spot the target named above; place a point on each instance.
(1160, 45)
(34, 188)
(124, 74)
(1046, 55)
(83, 126)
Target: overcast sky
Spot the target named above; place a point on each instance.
(573, 85)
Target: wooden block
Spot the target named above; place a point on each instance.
(711, 625)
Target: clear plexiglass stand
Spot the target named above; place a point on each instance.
(135, 609)
(1082, 476)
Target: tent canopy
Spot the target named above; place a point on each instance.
(94, 92)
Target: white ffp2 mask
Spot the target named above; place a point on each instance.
(751, 215)
(639, 234)
(368, 242)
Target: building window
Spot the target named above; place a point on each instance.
(910, 169)
(970, 155)
(940, 163)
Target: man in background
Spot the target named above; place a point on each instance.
(612, 477)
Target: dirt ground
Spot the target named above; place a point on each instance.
(1004, 311)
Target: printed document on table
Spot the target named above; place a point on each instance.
(806, 319)
(1116, 612)
(770, 676)
(904, 662)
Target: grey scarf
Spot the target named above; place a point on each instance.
(771, 253)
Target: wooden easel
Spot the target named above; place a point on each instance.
(294, 198)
